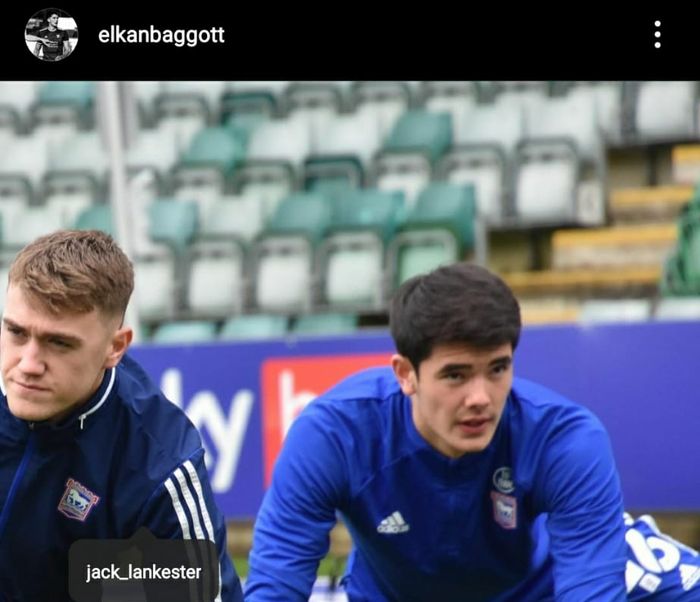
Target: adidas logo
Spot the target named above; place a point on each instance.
(689, 575)
(393, 524)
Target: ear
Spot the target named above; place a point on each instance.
(121, 339)
(405, 374)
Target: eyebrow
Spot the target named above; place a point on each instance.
(501, 360)
(68, 338)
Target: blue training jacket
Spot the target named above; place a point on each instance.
(127, 459)
(536, 516)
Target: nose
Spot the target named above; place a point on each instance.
(477, 393)
(31, 361)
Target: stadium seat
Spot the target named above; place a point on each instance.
(614, 310)
(16, 98)
(191, 331)
(155, 150)
(486, 168)
(173, 222)
(417, 141)
(498, 123)
(30, 223)
(282, 257)
(253, 98)
(382, 101)
(22, 167)
(76, 174)
(276, 151)
(546, 181)
(4, 273)
(351, 258)
(62, 108)
(258, 326)
(243, 126)
(568, 116)
(157, 287)
(187, 107)
(454, 97)
(345, 151)
(145, 93)
(325, 324)
(216, 279)
(678, 309)
(439, 230)
(665, 111)
(238, 217)
(316, 103)
(96, 217)
(204, 167)
(518, 94)
(607, 97)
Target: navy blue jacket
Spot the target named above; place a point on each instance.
(127, 459)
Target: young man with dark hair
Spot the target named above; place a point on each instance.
(456, 480)
(89, 446)
(54, 44)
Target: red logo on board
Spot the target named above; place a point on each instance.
(288, 384)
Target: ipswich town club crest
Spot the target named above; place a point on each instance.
(505, 510)
(77, 501)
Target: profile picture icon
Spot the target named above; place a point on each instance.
(51, 34)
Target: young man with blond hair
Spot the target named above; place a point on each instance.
(89, 446)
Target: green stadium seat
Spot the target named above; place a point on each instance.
(220, 147)
(96, 217)
(305, 214)
(448, 206)
(62, 108)
(258, 326)
(243, 125)
(191, 331)
(173, 222)
(439, 230)
(283, 255)
(417, 141)
(422, 131)
(351, 258)
(325, 324)
(79, 94)
(205, 166)
(255, 98)
(420, 258)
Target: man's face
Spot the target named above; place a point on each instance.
(458, 396)
(53, 20)
(53, 364)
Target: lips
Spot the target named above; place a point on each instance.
(475, 422)
(29, 387)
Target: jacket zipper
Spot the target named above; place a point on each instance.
(4, 516)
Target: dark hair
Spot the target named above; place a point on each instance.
(459, 303)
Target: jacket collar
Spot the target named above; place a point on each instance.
(77, 417)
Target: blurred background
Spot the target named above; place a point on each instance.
(285, 213)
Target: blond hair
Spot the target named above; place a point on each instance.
(75, 271)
